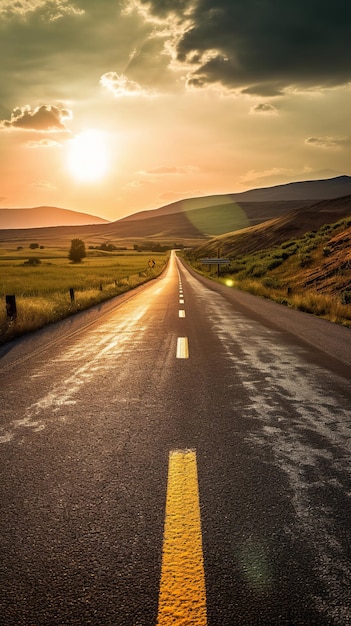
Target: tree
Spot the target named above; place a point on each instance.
(77, 251)
(33, 260)
(33, 246)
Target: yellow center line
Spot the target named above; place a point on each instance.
(182, 598)
(182, 348)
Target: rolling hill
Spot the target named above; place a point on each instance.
(303, 190)
(291, 192)
(277, 230)
(193, 220)
(311, 272)
(44, 216)
(218, 214)
(194, 226)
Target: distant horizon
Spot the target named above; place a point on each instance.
(115, 108)
(50, 216)
(101, 217)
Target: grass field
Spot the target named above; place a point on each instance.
(43, 290)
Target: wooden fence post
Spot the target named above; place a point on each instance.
(11, 308)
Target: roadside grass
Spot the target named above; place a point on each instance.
(43, 291)
(328, 306)
(311, 274)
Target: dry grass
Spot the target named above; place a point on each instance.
(35, 310)
(327, 306)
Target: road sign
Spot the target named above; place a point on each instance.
(152, 263)
(215, 261)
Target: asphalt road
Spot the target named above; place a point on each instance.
(253, 402)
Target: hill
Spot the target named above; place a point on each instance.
(44, 216)
(310, 272)
(277, 230)
(205, 221)
(218, 214)
(298, 191)
(303, 190)
(190, 221)
(191, 227)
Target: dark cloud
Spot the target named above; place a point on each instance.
(62, 58)
(264, 46)
(328, 142)
(268, 89)
(42, 118)
(57, 50)
(264, 108)
(164, 8)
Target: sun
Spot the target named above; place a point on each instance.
(88, 156)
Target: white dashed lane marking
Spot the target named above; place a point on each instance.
(182, 348)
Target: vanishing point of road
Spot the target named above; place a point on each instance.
(179, 455)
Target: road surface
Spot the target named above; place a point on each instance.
(180, 455)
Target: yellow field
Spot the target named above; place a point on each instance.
(43, 290)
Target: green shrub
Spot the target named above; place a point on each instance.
(272, 282)
(236, 267)
(305, 260)
(274, 263)
(346, 297)
(256, 270)
(288, 244)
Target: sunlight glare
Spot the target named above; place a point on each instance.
(88, 157)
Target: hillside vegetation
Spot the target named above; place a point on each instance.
(275, 231)
(311, 273)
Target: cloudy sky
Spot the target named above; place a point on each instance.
(112, 107)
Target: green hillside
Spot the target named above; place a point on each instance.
(275, 231)
(218, 219)
(311, 273)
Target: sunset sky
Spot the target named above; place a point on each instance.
(111, 107)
